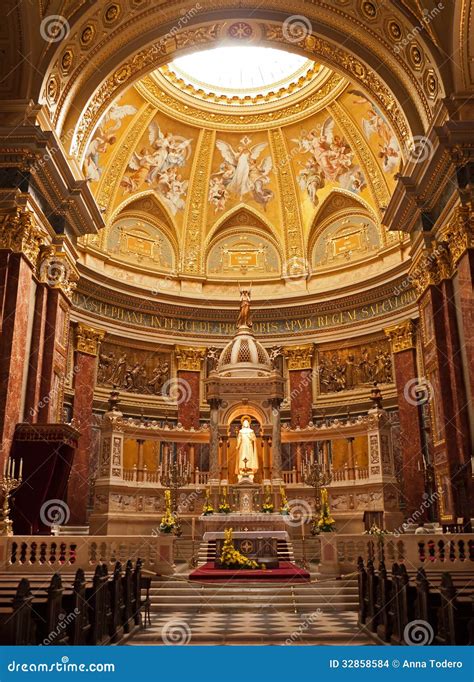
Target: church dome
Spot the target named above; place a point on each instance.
(244, 355)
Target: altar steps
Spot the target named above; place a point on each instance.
(180, 595)
(207, 551)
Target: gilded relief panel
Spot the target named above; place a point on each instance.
(345, 240)
(354, 367)
(242, 254)
(133, 370)
(139, 242)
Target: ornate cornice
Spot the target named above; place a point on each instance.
(431, 267)
(87, 339)
(189, 359)
(402, 336)
(299, 357)
(20, 233)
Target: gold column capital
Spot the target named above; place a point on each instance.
(88, 339)
(189, 358)
(299, 357)
(20, 233)
(402, 336)
(459, 232)
(57, 269)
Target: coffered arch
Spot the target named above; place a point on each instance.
(357, 39)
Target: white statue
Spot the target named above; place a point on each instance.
(247, 451)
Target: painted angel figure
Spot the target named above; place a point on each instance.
(169, 151)
(242, 175)
(103, 137)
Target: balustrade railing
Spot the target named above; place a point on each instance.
(346, 473)
(144, 476)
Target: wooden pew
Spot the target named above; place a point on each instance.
(16, 622)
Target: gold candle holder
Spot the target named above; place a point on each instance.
(8, 484)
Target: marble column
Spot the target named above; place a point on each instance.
(20, 241)
(189, 361)
(300, 362)
(445, 381)
(214, 472)
(87, 342)
(276, 440)
(403, 344)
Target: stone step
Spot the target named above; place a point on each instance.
(246, 606)
(224, 590)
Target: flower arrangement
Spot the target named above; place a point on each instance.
(230, 557)
(207, 509)
(326, 523)
(168, 522)
(267, 506)
(375, 530)
(285, 507)
(224, 507)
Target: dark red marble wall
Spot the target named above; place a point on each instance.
(188, 398)
(410, 431)
(301, 397)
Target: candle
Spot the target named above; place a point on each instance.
(193, 521)
(10, 466)
(5, 461)
(21, 468)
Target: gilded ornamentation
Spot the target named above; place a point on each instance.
(355, 367)
(377, 184)
(56, 269)
(299, 357)
(20, 233)
(111, 181)
(88, 339)
(289, 205)
(222, 118)
(356, 71)
(190, 359)
(197, 204)
(402, 336)
(133, 370)
(432, 266)
(459, 233)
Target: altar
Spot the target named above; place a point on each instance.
(256, 522)
(253, 544)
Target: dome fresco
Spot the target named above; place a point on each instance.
(204, 165)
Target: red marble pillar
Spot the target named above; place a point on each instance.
(465, 300)
(188, 385)
(441, 355)
(16, 289)
(87, 342)
(300, 362)
(33, 386)
(403, 341)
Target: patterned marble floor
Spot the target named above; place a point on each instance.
(265, 627)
